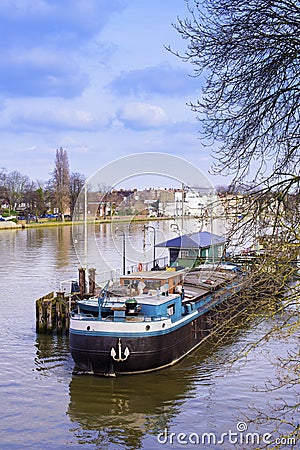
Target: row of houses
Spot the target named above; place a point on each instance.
(164, 203)
(161, 202)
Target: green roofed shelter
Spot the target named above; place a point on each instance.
(188, 249)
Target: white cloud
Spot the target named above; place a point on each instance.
(58, 118)
(162, 79)
(44, 45)
(142, 115)
(76, 74)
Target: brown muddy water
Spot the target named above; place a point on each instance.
(45, 406)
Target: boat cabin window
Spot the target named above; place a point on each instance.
(151, 285)
(171, 310)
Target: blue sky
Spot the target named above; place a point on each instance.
(93, 76)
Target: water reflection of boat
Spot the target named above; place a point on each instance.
(123, 412)
(154, 326)
(120, 413)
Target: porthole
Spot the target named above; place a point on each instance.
(88, 328)
(147, 327)
(163, 325)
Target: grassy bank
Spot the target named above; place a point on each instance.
(125, 219)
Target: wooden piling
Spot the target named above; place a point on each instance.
(92, 281)
(82, 285)
(58, 310)
(40, 317)
(67, 315)
(41, 312)
(53, 313)
(49, 316)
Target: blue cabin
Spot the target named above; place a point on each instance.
(162, 308)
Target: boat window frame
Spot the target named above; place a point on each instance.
(171, 308)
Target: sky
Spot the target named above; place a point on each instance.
(94, 77)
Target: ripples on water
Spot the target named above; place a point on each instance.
(44, 406)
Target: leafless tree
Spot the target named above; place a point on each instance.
(247, 53)
(61, 181)
(77, 181)
(3, 175)
(15, 186)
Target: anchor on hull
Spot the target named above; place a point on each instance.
(118, 357)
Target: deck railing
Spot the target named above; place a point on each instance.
(115, 274)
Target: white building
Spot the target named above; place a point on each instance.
(194, 204)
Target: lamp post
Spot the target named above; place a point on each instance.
(122, 233)
(154, 241)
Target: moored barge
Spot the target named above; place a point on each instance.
(159, 318)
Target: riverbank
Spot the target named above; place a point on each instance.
(124, 219)
(8, 225)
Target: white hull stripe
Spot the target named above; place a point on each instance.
(130, 329)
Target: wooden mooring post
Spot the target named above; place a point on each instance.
(92, 282)
(53, 313)
(53, 310)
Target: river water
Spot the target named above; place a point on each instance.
(45, 406)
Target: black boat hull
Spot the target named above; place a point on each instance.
(92, 353)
